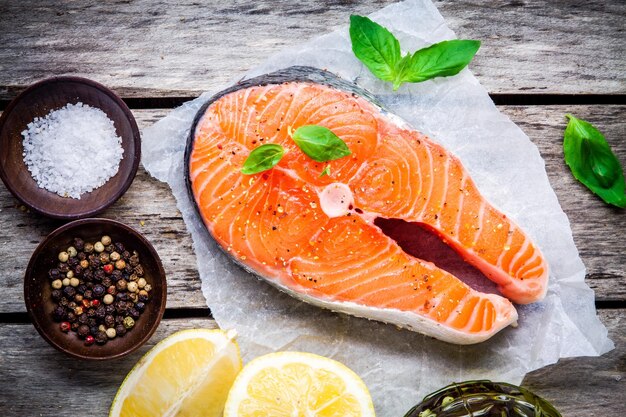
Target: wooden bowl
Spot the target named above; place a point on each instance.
(37, 101)
(37, 288)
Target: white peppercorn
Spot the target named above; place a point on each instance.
(111, 333)
(132, 286)
(63, 256)
(66, 282)
(114, 256)
(141, 282)
(74, 282)
(105, 240)
(71, 251)
(98, 247)
(148, 287)
(70, 274)
(107, 299)
(57, 284)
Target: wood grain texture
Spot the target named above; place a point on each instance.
(598, 229)
(147, 48)
(39, 381)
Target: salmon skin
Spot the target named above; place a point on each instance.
(314, 236)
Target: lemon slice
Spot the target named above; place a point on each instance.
(187, 374)
(294, 384)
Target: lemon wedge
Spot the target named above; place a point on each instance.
(294, 384)
(187, 374)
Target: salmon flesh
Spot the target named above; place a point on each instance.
(314, 236)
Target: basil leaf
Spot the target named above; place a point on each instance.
(592, 162)
(374, 46)
(262, 158)
(442, 59)
(320, 143)
(325, 171)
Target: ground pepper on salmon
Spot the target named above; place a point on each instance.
(314, 236)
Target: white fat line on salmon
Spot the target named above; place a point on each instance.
(460, 210)
(513, 264)
(431, 177)
(507, 245)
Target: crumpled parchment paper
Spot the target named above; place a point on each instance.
(399, 366)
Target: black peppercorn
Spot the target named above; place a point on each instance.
(93, 330)
(133, 261)
(119, 247)
(139, 270)
(63, 268)
(78, 270)
(74, 326)
(56, 295)
(101, 311)
(121, 285)
(128, 269)
(109, 321)
(98, 291)
(58, 313)
(54, 274)
(107, 282)
(82, 256)
(119, 319)
(72, 317)
(94, 262)
(109, 248)
(83, 319)
(92, 321)
(79, 244)
(87, 274)
(69, 292)
(63, 302)
(110, 309)
(72, 304)
(83, 330)
(104, 258)
(143, 296)
(116, 275)
(134, 313)
(72, 262)
(101, 337)
(99, 275)
(91, 312)
(120, 330)
(122, 296)
(88, 294)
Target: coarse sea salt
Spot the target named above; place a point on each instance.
(72, 150)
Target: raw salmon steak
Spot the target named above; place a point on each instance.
(314, 236)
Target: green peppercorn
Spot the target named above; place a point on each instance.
(63, 256)
(129, 322)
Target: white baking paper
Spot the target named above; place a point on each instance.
(399, 366)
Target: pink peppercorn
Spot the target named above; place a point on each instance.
(65, 326)
(89, 340)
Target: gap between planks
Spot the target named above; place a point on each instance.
(500, 99)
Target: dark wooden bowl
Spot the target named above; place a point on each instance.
(37, 101)
(37, 288)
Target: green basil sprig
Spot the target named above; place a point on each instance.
(379, 50)
(592, 162)
(262, 158)
(325, 171)
(320, 143)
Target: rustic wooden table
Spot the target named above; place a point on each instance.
(539, 60)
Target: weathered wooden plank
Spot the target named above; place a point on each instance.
(66, 387)
(588, 386)
(147, 48)
(598, 229)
